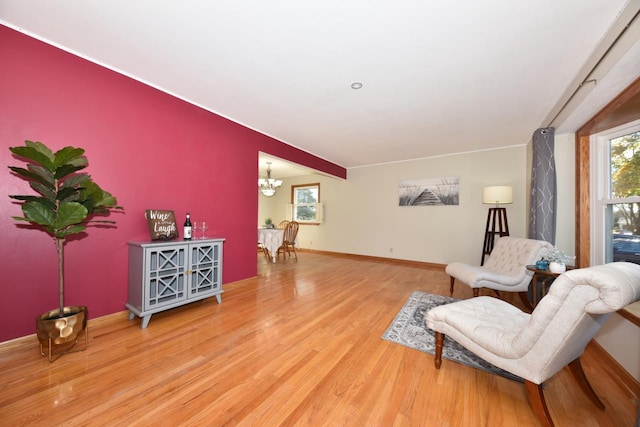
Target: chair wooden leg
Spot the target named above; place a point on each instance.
(538, 404)
(451, 282)
(578, 374)
(476, 292)
(439, 344)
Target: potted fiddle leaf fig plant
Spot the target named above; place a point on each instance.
(65, 203)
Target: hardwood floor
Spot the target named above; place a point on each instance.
(298, 345)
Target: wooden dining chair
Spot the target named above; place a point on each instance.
(283, 224)
(289, 239)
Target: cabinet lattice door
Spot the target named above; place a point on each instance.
(166, 271)
(205, 269)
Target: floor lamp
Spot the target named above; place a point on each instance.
(497, 224)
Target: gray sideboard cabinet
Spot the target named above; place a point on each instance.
(164, 275)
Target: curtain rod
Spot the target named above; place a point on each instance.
(595, 81)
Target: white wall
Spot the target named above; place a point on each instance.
(272, 207)
(362, 215)
(566, 205)
(621, 339)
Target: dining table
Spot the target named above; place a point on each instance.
(271, 239)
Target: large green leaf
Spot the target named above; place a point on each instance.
(46, 176)
(45, 190)
(73, 229)
(36, 152)
(68, 195)
(48, 203)
(66, 170)
(40, 174)
(70, 156)
(70, 213)
(92, 196)
(75, 180)
(39, 213)
(40, 147)
(109, 200)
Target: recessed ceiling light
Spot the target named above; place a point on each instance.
(356, 85)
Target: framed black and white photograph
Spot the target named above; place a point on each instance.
(429, 191)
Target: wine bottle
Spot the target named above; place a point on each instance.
(187, 227)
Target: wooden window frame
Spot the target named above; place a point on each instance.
(622, 109)
(293, 205)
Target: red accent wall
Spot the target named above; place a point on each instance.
(147, 148)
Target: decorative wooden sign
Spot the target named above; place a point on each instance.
(162, 224)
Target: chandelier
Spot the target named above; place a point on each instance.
(269, 186)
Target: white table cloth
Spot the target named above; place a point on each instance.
(271, 239)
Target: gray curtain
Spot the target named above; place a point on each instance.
(542, 216)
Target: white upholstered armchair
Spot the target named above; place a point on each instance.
(506, 268)
(535, 346)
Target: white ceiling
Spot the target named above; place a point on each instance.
(281, 168)
(439, 77)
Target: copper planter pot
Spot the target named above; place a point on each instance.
(59, 335)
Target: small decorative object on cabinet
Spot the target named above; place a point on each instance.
(557, 260)
(557, 267)
(162, 224)
(164, 275)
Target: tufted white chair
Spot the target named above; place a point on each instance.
(506, 268)
(535, 346)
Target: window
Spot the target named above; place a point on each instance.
(305, 204)
(615, 195)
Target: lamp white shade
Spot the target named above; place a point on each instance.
(498, 194)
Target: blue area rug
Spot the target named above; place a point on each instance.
(409, 329)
